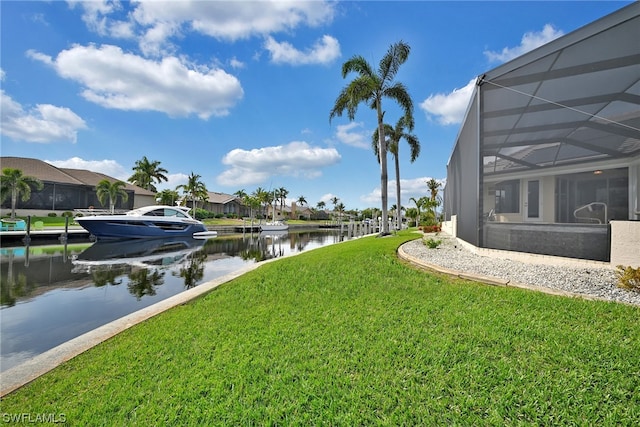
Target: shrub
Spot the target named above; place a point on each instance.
(201, 214)
(52, 214)
(67, 213)
(628, 278)
(430, 228)
(432, 243)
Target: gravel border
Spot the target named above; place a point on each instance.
(595, 282)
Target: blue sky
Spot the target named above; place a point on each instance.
(240, 92)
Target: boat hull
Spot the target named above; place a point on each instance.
(274, 227)
(138, 228)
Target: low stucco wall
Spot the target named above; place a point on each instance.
(450, 227)
(625, 243)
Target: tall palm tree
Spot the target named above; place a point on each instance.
(340, 209)
(194, 189)
(13, 184)
(395, 134)
(321, 205)
(107, 190)
(370, 88)
(281, 195)
(433, 186)
(334, 201)
(302, 201)
(145, 173)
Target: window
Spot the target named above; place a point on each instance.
(508, 196)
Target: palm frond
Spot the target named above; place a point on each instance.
(357, 64)
(397, 55)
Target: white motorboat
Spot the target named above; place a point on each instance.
(274, 226)
(146, 222)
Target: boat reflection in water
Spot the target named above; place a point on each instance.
(144, 261)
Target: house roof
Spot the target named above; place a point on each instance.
(48, 173)
(573, 100)
(39, 169)
(221, 198)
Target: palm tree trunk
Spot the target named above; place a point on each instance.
(14, 201)
(398, 204)
(383, 171)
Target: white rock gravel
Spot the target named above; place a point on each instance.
(596, 282)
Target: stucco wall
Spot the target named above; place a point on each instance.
(625, 243)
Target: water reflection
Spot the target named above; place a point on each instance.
(50, 294)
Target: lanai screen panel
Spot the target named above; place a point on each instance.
(461, 191)
(575, 100)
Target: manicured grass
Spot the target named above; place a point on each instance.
(349, 335)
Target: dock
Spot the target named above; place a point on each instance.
(57, 234)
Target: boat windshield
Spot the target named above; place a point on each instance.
(166, 212)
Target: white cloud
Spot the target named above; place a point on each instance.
(234, 20)
(414, 187)
(296, 159)
(324, 51)
(107, 167)
(354, 135)
(236, 63)
(529, 42)
(155, 23)
(173, 180)
(449, 108)
(43, 123)
(96, 16)
(119, 80)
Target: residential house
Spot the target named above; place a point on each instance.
(67, 189)
(226, 204)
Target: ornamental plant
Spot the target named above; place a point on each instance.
(628, 278)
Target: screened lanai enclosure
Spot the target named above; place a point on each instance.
(549, 151)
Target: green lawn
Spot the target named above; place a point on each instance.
(349, 335)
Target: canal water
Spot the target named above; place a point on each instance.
(51, 294)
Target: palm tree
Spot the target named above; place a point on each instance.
(240, 193)
(370, 88)
(167, 197)
(107, 190)
(395, 135)
(13, 183)
(420, 203)
(321, 205)
(146, 173)
(281, 195)
(433, 189)
(340, 208)
(253, 202)
(262, 196)
(302, 201)
(195, 189)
